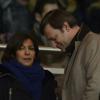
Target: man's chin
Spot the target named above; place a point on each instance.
(62, 48)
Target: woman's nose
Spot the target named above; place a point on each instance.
(27, 51)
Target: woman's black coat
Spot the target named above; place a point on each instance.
(11, 89)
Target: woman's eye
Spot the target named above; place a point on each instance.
(26, 48)
(31, 48)
(21, 48)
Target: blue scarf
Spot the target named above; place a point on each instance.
(30, 77)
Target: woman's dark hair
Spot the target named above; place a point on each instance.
(15, 43)
(56, 19)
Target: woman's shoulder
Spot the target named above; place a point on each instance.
(49, 74)
(49, 86)
(49, 78)
(4, 73)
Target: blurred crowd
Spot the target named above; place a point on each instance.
(24, 16)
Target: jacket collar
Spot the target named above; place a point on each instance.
(79, 37)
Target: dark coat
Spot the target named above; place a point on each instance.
(12, 89)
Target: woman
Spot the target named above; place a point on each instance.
(22, 77)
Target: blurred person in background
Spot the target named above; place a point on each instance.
(21, 75)
(15, 17)
(81, 80)
(40, 9)
(93, 16)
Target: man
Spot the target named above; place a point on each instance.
(82, 81)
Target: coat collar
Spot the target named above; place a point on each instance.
(79, 37)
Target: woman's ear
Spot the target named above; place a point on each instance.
(38, 17)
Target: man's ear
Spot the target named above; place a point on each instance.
(65, 26)
(38, 17)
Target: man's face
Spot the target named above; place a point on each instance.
(59, 38)
(23, 2)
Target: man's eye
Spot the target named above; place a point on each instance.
(51, 39)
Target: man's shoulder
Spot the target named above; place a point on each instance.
(91, 37)
(90, 42)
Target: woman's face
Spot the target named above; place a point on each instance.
(26, 53)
